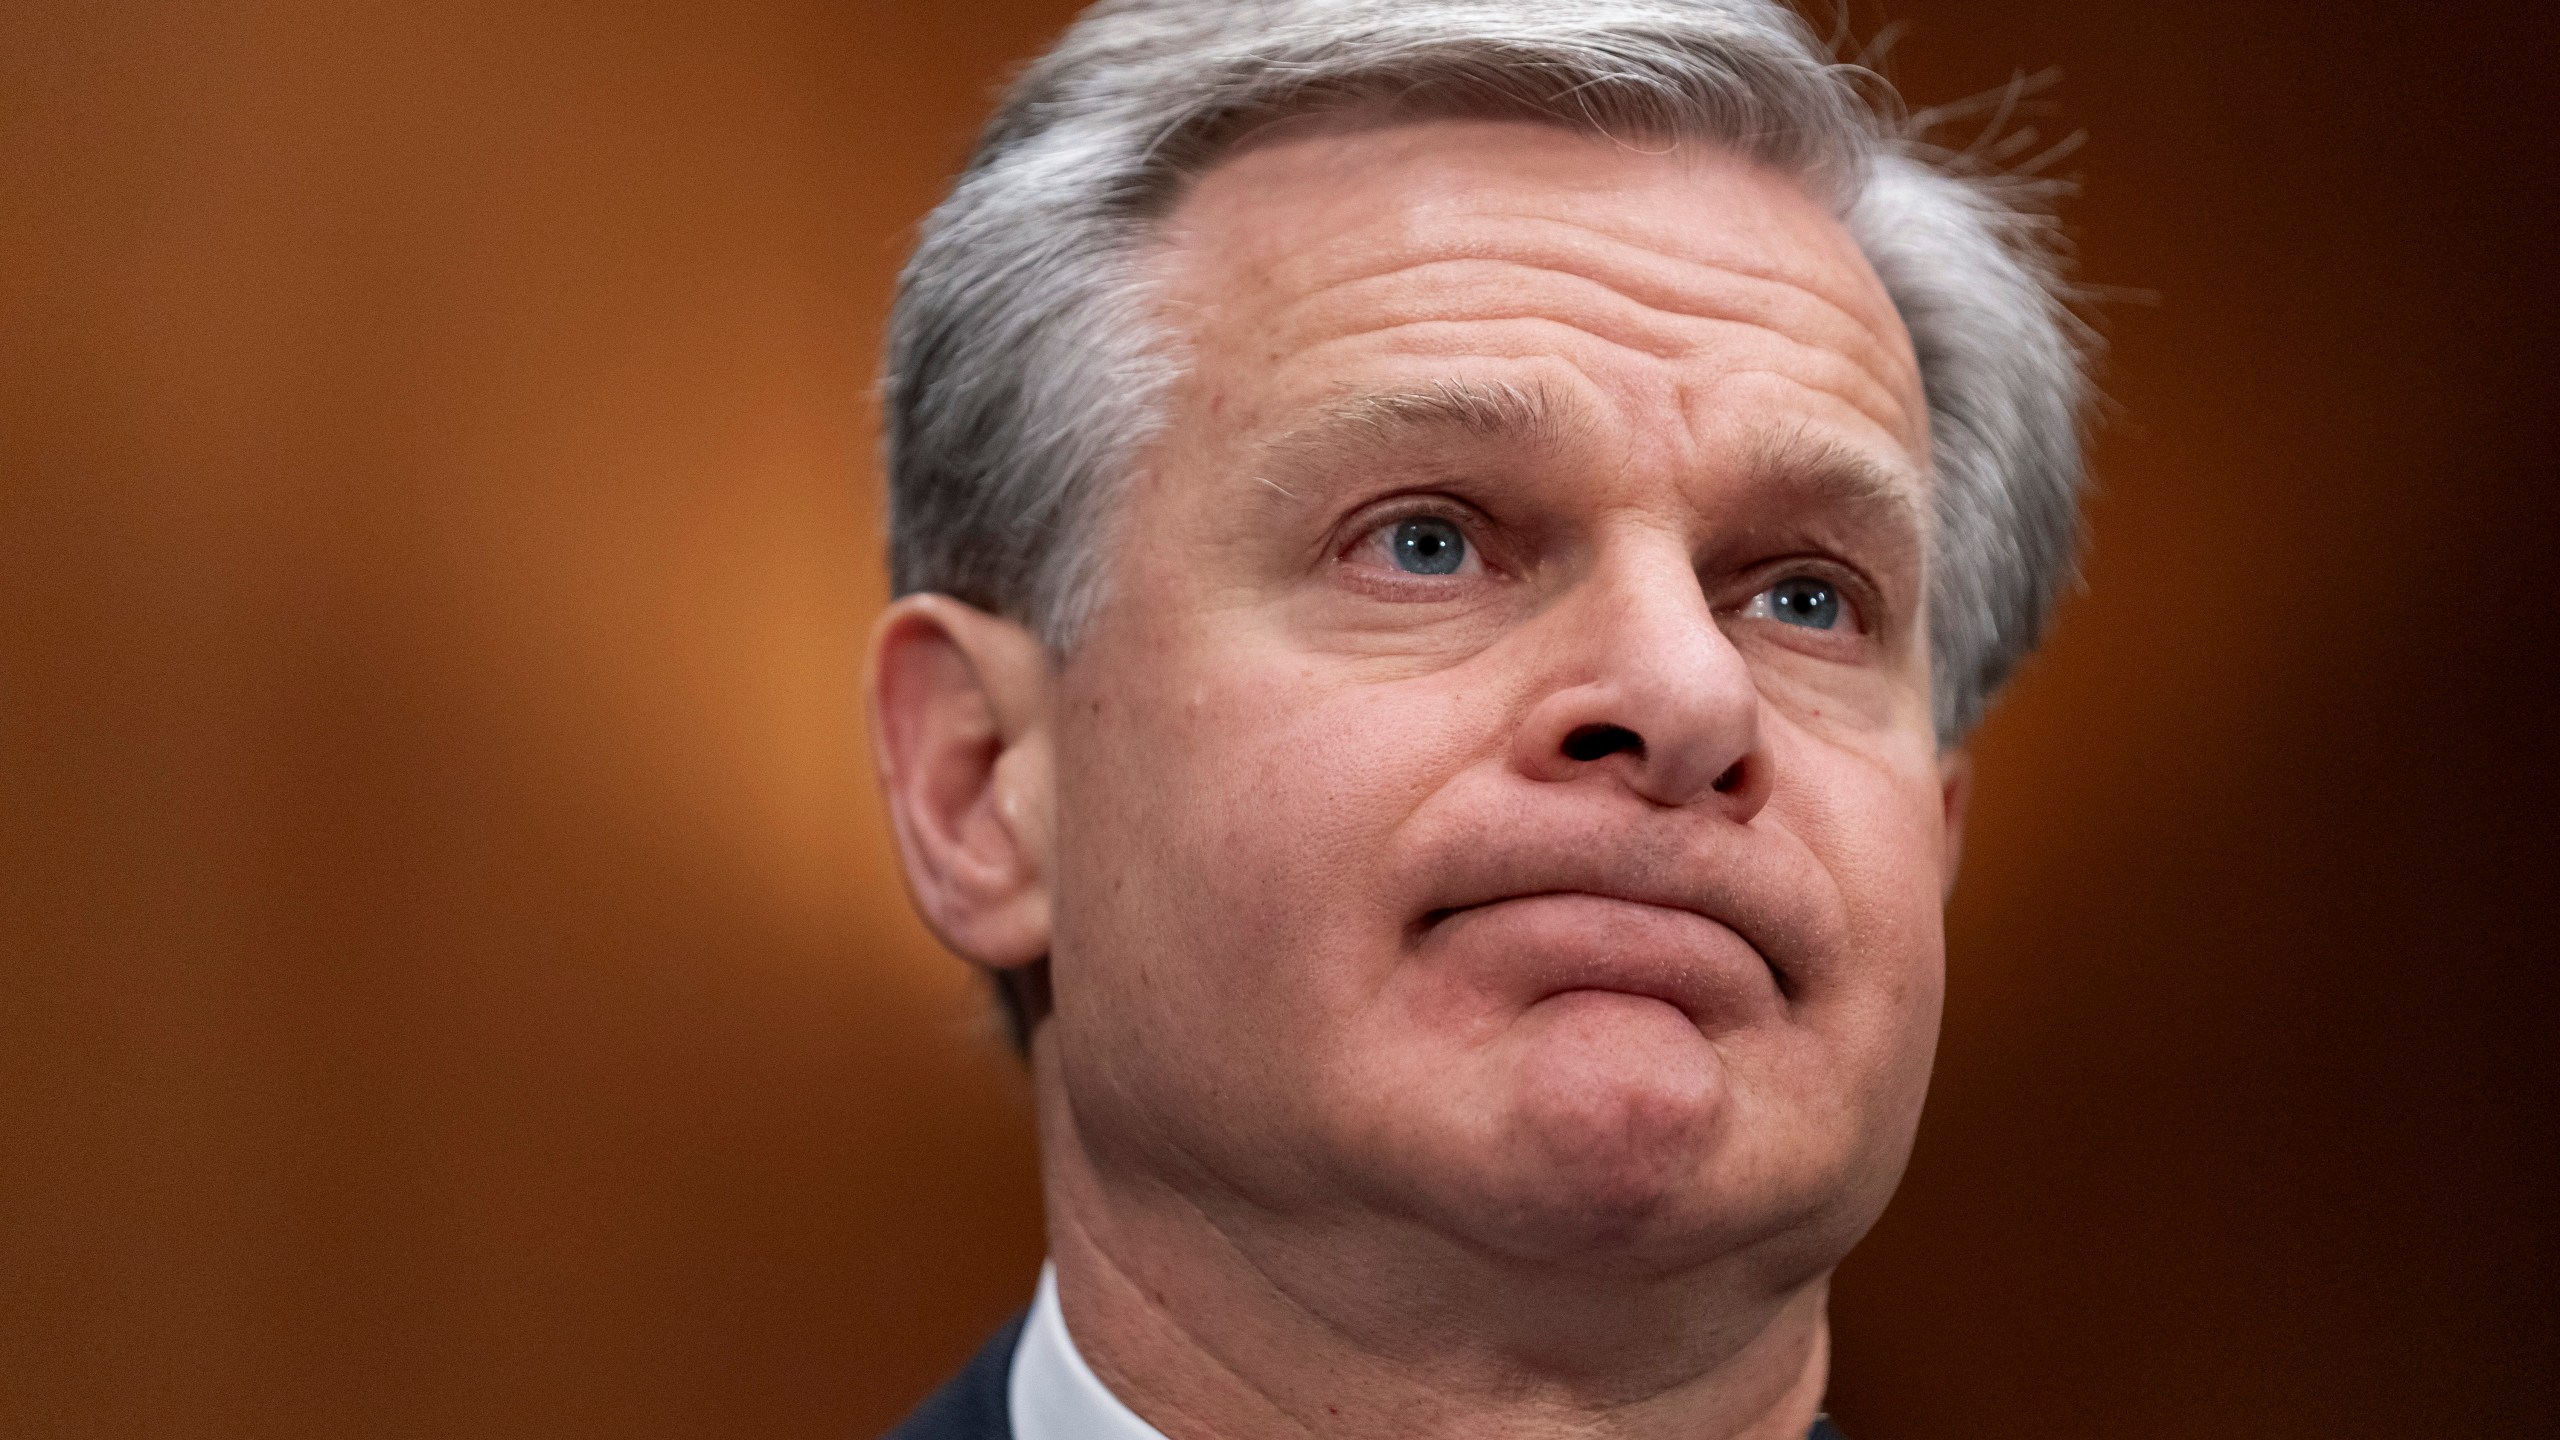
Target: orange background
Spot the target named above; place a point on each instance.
(454, 977)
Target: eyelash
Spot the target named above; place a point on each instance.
(1856, 598)
(1368, 528)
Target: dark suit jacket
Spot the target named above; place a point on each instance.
(972, 1406)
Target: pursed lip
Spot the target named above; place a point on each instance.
(1660, 899)
(1535, 944)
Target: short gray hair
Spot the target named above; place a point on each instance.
(1025, 370)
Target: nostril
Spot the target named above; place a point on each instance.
(1591, 742)
(1730, 780)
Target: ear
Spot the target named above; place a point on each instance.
(959, 703)
(1955, 797)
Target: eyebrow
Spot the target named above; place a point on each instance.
(1836, 476)
(1528, 416)
(1481, 407)
(1828, 474)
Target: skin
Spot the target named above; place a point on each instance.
(1486, 1003)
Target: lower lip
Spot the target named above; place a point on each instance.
(1536, 947)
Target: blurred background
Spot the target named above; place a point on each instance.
(455, 980)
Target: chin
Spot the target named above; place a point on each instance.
(1613, 1125)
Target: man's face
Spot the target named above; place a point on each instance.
(1498, 791)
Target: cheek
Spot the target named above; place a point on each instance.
(1227, 806)
(1876, 824)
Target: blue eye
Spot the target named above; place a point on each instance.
(1803, 600)
(1425, 545)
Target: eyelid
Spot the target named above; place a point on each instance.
(1858, 596)
(1363, 525)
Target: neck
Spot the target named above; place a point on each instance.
(1208, 1318)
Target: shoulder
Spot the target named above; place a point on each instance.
(972, 1406)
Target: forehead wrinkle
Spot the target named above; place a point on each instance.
(1642, 259)
(1647, 274)
(1446, 292)
(1466, 340)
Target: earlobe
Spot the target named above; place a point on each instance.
(959, 706)
(1955, 798)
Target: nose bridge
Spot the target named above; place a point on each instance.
(1654, 637)
(1653, 691)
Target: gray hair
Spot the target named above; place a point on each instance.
(1025, 370)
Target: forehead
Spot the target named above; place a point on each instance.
(1685, 299)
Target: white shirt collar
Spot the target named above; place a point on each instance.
(1052, 1394)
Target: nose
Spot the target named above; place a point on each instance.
(1649, 691)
